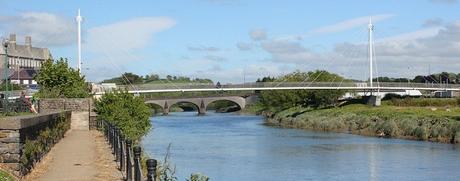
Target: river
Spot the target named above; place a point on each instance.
(238, 147)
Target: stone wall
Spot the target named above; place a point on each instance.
(15, 130)
(74, 104)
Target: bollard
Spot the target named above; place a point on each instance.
(129, 173)
(122, 152)
(151, 169)
(137, 157)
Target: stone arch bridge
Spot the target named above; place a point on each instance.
(200, 103)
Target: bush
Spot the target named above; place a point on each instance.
(389, 127)
(457, 137)
(198, 177)
(125, 111)
(421, 133)
(56, 80)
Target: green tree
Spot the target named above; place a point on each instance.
(56, 79)
(283, 99)
(126, 111)
(126, 79)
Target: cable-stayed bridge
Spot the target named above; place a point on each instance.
(261, 86)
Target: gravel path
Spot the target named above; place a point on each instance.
(81, 155)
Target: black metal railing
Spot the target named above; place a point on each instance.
(127, 157)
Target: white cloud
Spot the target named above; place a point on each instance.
(215, 58)
(46, 29)
(258, 35)
(115, 45)
(403, 55)
(126, 35)
(202, 48)
(351, 23)
(434, 22)
(244, 46)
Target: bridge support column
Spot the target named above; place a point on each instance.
(166, 109)
(373, 100)
(202, 108)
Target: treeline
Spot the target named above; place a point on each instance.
(275, 100)
(443, 77)
(131, 78)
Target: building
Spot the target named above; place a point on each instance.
(24, 61)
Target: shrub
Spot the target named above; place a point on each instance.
(457, 137)
(421, 133)
(56, 79)
(389, 127)
(125, 111)
(198, 177)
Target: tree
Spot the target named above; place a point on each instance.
(125, 111)
(56, 79)
(283, 99)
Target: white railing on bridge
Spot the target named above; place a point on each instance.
(286, 84)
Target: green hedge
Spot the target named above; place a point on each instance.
(35, 149)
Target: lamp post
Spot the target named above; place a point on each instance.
(5, 76)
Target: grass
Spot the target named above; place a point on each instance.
(441, 124)
(11, 114)
(4, 176)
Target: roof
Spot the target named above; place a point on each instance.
(27, 74)
(24, 74)
(16, 50)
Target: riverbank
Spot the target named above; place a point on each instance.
(437, 124)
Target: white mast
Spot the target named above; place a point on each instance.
(371, 51)
(79, 20)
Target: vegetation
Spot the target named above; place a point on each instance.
(443, 77)
(131, 78)
(35, 149)
(442, 125)
(422, 102)
(125, 111)
(5, 176)
(11, 87)
(282, 99)
(56, 79)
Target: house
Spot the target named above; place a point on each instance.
(23, 60)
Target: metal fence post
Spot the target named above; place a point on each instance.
(151, 169)
(115, 143)
(122, 155)
(137, 157)
(129, 173)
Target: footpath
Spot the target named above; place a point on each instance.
(82, 155)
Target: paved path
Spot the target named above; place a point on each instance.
(81, 155)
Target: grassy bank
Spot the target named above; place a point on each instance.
(440, 124)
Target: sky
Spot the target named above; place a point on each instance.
(234, 41)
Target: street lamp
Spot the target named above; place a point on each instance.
(5, 76)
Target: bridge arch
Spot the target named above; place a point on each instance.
(235, 100)
(167, 104)
(200, 103)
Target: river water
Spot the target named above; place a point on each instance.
(237, 147)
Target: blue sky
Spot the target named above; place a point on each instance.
(229, 40)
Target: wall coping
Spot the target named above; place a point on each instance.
(24, 121)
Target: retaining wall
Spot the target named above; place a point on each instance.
(14, 131)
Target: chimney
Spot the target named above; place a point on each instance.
(28, 41)
(12, 41)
